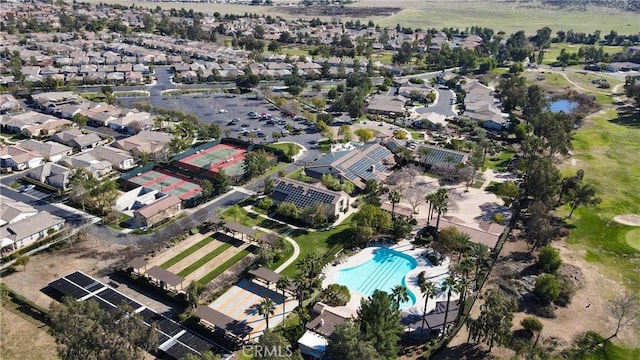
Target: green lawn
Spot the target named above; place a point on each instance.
(417, 135)
(319, 242)
(554, 50)
(500, 161)
(296, 174)
(285, 147)
(203, 260)
(119, 223)
(244, 218)
(224, 267)
(605, 151)
(174, 260)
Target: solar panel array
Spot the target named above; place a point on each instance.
(439, 155)
(379, 153)
(302, 196)
(174, 339)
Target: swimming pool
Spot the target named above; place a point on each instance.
(385, 270)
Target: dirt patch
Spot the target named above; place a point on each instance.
(355, 12)
(22, 339)
(629, 219)
(92, 256)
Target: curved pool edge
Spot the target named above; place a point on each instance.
(405, 247)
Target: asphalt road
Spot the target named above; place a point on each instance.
(443, 106)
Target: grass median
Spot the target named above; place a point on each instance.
(224, 267)
(203, 260)
(176, 259)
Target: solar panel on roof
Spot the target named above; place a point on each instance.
(65, 287)
(178, 351)
(103, 304)
(196, 342)
(149, 316)
(81, 279)
(168, 327)
(118, 299)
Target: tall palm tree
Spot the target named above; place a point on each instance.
(449, 285)
(266, 308)
(428, 290)
(584, 194)
(463, 288)
(400, 294)
(394, 198)
(440, 205)
(480, 253)
(431, 199)
(282, 285)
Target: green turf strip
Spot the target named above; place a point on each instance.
(223, 267)
(174, 260)
(203, 260)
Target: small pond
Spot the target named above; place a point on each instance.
(564, 105)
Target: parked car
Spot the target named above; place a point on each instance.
(270, 122)
(244, 125)
(232, 122)
(27, 188)
(260, 134)
(223, 111)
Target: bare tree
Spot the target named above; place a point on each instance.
(415, 197)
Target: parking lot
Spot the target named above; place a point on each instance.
(222, 109)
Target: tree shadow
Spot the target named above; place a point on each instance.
(627, 116)
(464, 351)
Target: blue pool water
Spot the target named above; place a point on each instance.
(566, 106)
(386, 270)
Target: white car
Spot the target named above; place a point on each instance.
(223, 111)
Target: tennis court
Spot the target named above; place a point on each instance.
(220, 156)
(168, 183)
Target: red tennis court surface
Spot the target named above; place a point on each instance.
(168, 183)
(221, 156)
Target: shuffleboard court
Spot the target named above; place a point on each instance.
(168, 183)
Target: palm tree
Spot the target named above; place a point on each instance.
(266, 308)
(462, 241)
(424, 153)
(440, 205)
(399, 294)
(584, 194)
(282, 285)
(480, 253)
(394, 198)
(463, 287)
(428, 290)
(431, 199)
(449, 285)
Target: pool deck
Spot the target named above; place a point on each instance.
(433, 273)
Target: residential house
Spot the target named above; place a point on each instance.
(481, 106)
(27, 231)
(77, 139)
(97, 168)
(320, 328)
(50, 151)
(16, 158)
(9, 103)
(137, 198)
(118, 159)
(50, 101)
(369, 162)
(145, 142)
(52, 175)
(305, 195)
(14, 211)
(387, 105)
(33, 124)
(157, 211)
